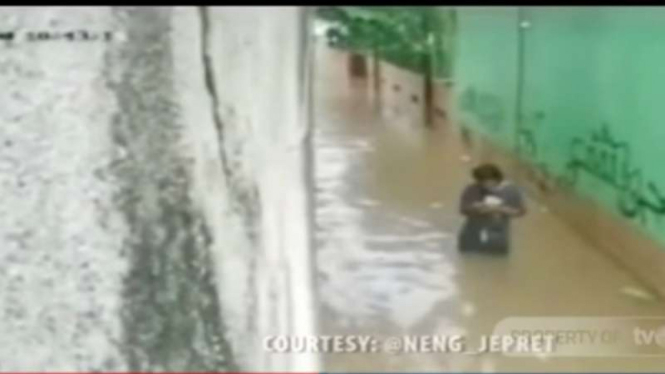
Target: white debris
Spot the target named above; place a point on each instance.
(468, 309)
(638, 293)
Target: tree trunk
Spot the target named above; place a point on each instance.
(376, 75)
(428, 91)
(428, 88)
(357, 66)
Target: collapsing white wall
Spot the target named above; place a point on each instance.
(137, 231)
(259, 60)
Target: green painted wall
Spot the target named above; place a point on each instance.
(485, 70)
(589, 84)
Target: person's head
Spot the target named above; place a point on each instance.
(488, 176)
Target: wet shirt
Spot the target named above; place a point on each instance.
(488, 231)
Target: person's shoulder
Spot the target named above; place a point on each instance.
(512, 187)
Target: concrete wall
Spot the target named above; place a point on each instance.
(260, 58)
(400, 94)
(154, 214)
(585, 82)
(62, 237)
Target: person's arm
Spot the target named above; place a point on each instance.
(510, 211)
(479, 208)
(514, 206)
(470, 205)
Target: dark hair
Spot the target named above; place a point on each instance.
(487, 172)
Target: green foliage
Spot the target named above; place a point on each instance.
(410, 37)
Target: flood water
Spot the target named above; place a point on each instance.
(386, 193)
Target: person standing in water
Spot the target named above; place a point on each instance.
(489, 204)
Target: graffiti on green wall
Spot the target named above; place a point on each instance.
(488, 108)
(527, 141)
(527, 147)
(602, 156)
(608, 159)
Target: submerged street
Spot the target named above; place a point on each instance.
(387, 216)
